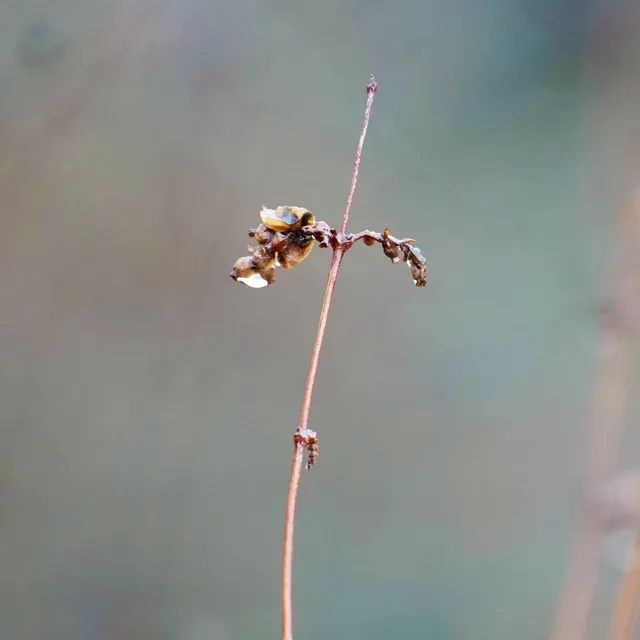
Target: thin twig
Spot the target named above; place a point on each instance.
(298, 445)
(287, 552)
(334, 269)
(372, 87)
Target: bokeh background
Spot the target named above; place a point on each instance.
(147, 402)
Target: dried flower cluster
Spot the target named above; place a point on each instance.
(286, 237)
(397, 250)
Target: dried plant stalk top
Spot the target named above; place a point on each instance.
(286, 236)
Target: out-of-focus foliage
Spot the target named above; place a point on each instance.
(142, 468)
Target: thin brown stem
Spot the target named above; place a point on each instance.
(287, 552)
(298, 446)
(332, 278)
(372, 87)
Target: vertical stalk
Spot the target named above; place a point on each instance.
(298, 441)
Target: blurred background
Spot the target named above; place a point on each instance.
(147, 402)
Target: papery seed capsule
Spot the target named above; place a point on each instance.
(294, 253)
(313, 448)
(247, 271)
(286, 219)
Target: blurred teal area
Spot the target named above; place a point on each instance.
(147, 402)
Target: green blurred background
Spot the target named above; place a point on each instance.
(147, 402)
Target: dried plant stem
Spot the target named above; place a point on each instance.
(625, 611)
(608, 408)
(298, 446)
(372, 87)
(607, 412)
(287, 551)
(332, 278)
(298, 452)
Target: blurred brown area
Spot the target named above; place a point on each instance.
(147, 402)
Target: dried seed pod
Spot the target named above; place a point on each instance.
(313, 448)
(286, 219)
(389, 247)
(295, 252)
(308, 439)
(417, 255)
(417, 265)
(262, 234)
(391, 251)
(248, 271)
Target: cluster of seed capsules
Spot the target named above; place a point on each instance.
(280, 244)
(285, 238)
